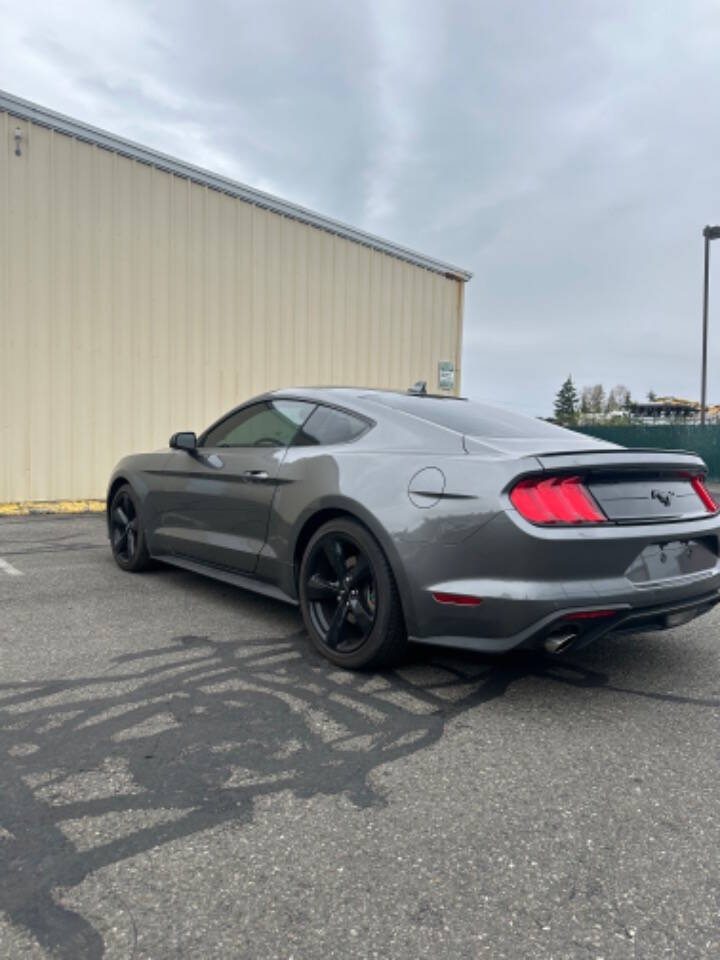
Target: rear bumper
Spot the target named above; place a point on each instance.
(580, 633)
(531, 582)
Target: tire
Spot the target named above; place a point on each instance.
(127, 533)
(349, 598)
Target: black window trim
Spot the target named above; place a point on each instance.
(260, 401)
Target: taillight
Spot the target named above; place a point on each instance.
(548, 500)
(702, 491)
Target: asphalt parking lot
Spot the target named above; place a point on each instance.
(183, 777)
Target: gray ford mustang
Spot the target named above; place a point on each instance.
(394, 516)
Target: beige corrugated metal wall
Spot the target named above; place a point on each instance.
(135, 302)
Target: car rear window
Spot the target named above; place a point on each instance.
(468, 417)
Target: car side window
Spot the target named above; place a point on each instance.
(326, 426)
(272, 423)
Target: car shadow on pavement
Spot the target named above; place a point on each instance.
(186, 736)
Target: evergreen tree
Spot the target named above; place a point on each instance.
(566, 402)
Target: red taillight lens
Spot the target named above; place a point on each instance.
(702, 491)
(548, 500)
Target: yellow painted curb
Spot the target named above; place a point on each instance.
(26, 507)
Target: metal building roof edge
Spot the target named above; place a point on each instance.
(26, 110)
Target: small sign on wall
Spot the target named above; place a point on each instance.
(446, 375)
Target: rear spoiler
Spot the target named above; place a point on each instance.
(627, 458)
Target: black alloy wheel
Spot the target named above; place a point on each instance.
(340, 589)
(127, 537)
(349, 598)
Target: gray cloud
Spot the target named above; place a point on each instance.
(567, 153)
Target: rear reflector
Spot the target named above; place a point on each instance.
(460, 599)
(702, 491)
(589, 614)
(549, 500)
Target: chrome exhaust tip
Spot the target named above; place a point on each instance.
(559, 642)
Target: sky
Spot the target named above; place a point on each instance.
(567, 153)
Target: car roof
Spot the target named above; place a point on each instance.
(368, 402)
(347, 396)
(433, 412)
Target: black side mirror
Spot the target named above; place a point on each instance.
(186, 440)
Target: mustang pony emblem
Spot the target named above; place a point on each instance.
(664, 496)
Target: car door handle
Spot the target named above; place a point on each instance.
(256, 474)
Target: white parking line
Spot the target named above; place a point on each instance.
(7, 567)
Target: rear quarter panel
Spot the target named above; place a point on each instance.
(385, 490)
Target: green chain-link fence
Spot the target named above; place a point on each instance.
(702, 440)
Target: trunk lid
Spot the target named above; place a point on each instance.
(632, 486)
